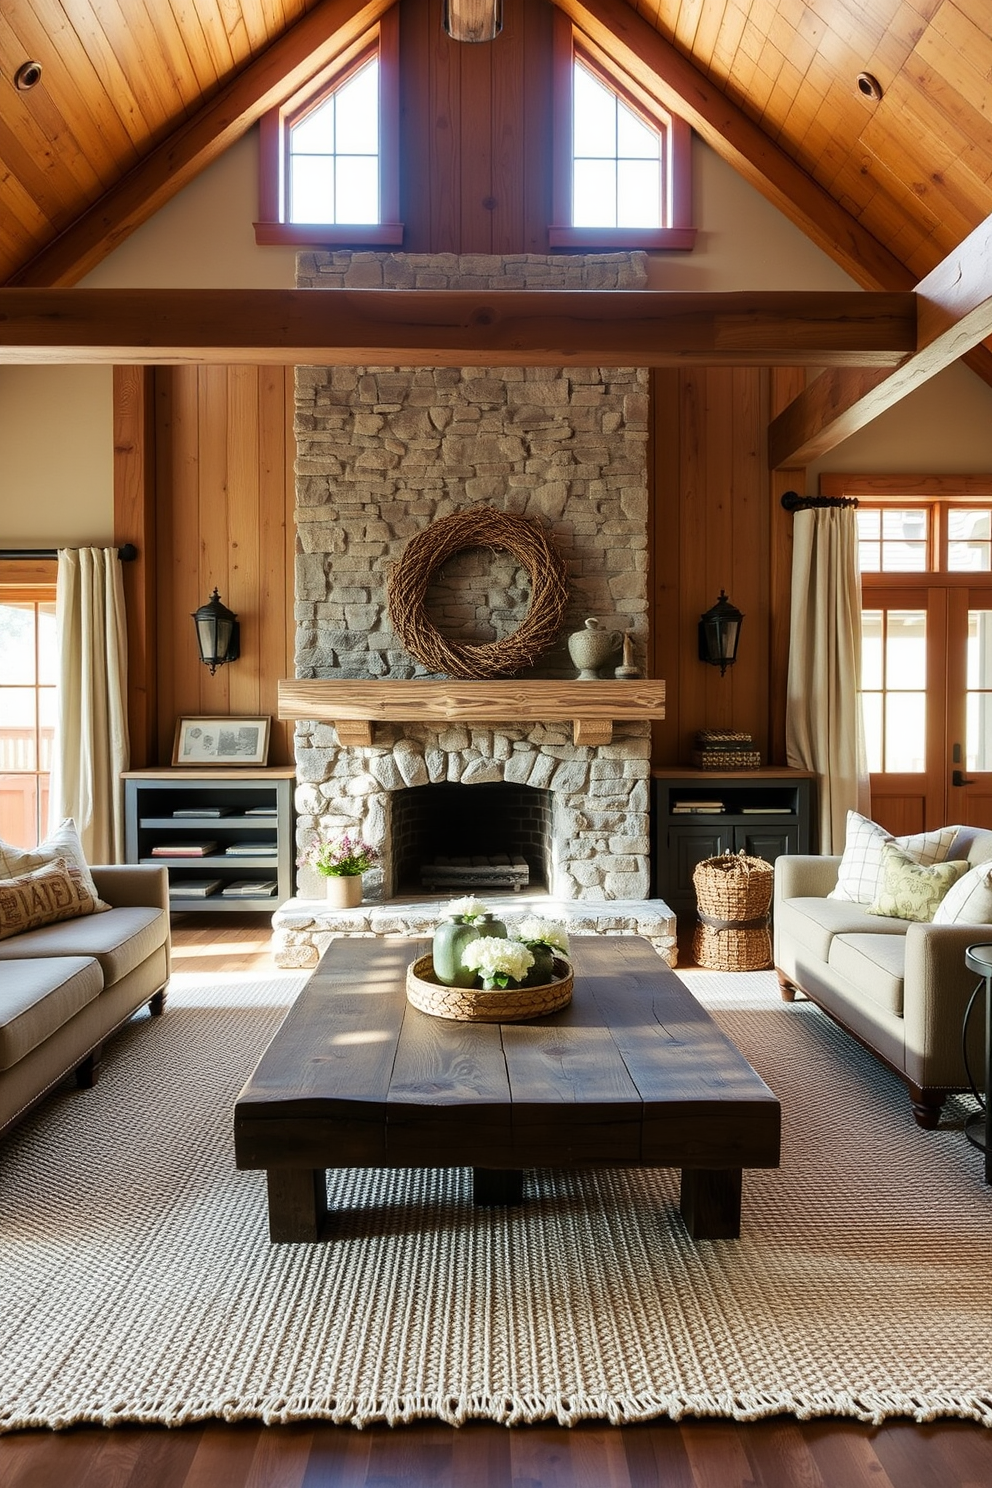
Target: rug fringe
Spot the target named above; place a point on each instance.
(564, 1410)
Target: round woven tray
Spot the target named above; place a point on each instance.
(475, 1005)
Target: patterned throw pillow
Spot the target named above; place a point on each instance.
(52, 893)
(910, 890)
(62, 843)
(969, 901)
(859, 877)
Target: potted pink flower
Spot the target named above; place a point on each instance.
(341, 861)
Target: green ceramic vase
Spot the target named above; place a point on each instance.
(543, 970)
(450, 939)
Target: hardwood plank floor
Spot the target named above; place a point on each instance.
(778, 1453)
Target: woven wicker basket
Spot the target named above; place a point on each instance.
(726, 759)
(733, 897)
(475, 1005)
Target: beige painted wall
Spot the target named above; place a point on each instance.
(57, 487)
(56, 456)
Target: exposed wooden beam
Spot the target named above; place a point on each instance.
(955, 313)
(635, 45)
(375, 327)
(654, 63)
(277, 72)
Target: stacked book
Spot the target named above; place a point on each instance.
(725, 749)
(246, 888)
(184, 849)
(193, 888)
(202, 811)
(250, 850)
(698, 808)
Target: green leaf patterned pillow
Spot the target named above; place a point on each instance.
(910, 890)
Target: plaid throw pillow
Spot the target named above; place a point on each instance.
(859, 877)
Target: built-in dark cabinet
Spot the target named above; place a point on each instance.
(242, 818)
(698, 814)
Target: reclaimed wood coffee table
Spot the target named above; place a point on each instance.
(633, 1073)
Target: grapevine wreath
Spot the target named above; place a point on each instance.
(480, 527)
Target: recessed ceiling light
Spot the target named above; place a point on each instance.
(869, 86)
(27, 75)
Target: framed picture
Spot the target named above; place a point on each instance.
(221, 741)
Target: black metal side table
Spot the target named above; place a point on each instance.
(978, 1128)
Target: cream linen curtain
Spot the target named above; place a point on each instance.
(823, 724)
(91, 743)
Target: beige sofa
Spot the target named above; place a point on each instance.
(899, 987)
(65, 987)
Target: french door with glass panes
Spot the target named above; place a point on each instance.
(927, 663)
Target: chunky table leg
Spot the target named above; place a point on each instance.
(710, 1203)
(297, 1203)
(497, 1185)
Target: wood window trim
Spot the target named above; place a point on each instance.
(27, 580)
(677, 234)
(939, 493)
(273, 229)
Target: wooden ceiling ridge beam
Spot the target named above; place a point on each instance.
(954, 315)
(660, 68)
(281, 69)
(385, 327)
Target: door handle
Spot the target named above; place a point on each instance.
(958, 777)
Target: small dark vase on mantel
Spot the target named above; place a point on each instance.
(450, 939)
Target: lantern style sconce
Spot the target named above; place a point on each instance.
(719, 632)
(218, 634)
(473, 20)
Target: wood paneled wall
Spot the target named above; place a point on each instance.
(717, 524)
(219, 444)
(223, 516)
(475, 167)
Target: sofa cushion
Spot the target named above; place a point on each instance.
(49, 894)
(37, 997)
(911, 890)
(62, 843)
(875, 964)
(859, 876)
(813, 923)
(969, 901)
(120, 940)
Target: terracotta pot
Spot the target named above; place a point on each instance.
(344, 890)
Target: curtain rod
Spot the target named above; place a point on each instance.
(793, 502)
(126, 553)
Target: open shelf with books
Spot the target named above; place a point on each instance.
(226, 836)
(698, 814)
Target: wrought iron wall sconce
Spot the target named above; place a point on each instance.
(719, 633)
(218, 634)
(473, 20)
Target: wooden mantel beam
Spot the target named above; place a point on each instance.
(955, 314)
(375, 327)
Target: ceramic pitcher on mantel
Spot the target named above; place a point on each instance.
(592, 647)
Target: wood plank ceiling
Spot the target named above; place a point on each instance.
(121, 77)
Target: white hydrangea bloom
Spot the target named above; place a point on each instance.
(497, 960)
(535, 931)
(468, 908)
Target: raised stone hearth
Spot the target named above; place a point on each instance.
(382, 453)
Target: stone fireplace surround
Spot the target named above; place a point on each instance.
(381, 454)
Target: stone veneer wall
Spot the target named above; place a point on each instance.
(382, 453)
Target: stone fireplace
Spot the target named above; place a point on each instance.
(382, 453)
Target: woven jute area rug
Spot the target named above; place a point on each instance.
(137, 1282)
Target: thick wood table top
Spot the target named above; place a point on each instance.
(633, 1072)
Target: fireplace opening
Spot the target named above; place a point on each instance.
(460, 839)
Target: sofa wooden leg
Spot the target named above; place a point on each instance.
(88, 1072)
(927, 1106)
(787, 988)
(156, 1004)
